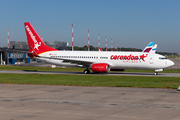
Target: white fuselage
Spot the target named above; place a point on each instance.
(116, 60)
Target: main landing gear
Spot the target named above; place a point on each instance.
(86, 71)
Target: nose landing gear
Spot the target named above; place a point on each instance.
(157, 70)
(156, 73)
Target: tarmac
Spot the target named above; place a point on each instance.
(45, 102)
(81, 73)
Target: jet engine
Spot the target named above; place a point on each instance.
(100, 67)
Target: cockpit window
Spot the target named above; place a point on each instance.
(162, 58)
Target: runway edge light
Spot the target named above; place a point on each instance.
(178, 88)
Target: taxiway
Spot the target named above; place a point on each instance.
(81, 73)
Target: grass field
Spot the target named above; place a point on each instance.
(76, 69)
(86, 80)
(173, 56)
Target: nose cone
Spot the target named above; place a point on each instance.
(170, 63)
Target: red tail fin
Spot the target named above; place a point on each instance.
(36, 45)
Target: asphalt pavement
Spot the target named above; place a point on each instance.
(46, 102)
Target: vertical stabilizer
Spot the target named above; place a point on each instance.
(153, 50)
(148, 48)
(36, 45)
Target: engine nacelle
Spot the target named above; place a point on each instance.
(100, 67)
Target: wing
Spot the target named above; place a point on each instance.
(86, 63)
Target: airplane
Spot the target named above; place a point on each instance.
(96, 61)
(153, 50)
(150, 48)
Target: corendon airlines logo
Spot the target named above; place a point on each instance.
(129, 58)
(36, 45)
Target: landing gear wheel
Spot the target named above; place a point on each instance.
(155, 73)
(86, 71)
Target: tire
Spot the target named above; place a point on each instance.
(86, 71)
(155, 73)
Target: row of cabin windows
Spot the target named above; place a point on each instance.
(100, 57)
(79, 57)
(103, 57)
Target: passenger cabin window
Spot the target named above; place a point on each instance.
(162, 58)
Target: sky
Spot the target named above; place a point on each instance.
(130, 23)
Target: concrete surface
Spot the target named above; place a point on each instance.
(45, 102)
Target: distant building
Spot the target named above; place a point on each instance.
(177, 53)
(18, 45)
(54, 44)
(57, 44)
